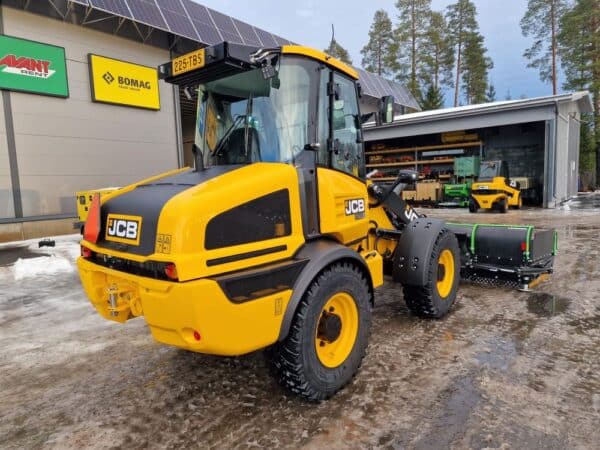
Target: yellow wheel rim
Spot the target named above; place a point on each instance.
(336, 330)
(445, 273)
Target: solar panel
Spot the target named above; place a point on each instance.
(147, 12)
(280, 40)
(207, 33)
(171, 5)
(223, 22)
(247, 32)
(180, 24)
(117, 7)
(204, 25)
(266, 38)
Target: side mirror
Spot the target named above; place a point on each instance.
(386, 109)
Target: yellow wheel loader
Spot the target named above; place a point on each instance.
(494, 190)
(276, 238)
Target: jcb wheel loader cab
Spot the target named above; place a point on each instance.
(271, 240)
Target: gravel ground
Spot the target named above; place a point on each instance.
(505, 369)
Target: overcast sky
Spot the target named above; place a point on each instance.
(308, 22)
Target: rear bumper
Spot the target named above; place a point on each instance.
(174, 311)
(488, 201)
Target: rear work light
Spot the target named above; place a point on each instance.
(171, 271)
(91, 229)
(86, 252)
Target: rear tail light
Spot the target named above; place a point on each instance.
(171, 271)
(523, 246)
(86, 252)
(91, 229)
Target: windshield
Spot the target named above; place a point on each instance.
(245, 118)
(488, 171)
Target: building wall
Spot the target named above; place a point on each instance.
(66, 145)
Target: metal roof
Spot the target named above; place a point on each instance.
(478, 116)
(196, 22)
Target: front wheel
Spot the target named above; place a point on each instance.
(329, 334)
(434, 299)
(473, 206)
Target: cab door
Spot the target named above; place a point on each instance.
(342, 190)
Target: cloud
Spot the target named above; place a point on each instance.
(305, 13)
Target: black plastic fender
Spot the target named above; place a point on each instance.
(320, 254)
(412, 252)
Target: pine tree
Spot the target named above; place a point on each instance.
(490, 95)
(410, 33)
(378, 54)
(437, 54)
(475, 69)
(542, 22)
(337, 51)
(579, 40)
(462, 23)
(432, 99)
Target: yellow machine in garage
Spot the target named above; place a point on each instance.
(276, 238)
(494, 190)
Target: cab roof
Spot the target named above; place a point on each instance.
(320, 56)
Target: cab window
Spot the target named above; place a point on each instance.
(346, 152)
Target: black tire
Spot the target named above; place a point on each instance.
(519, 204)
(503, 205)
(295, 360)
(426, 301)
(473, 206)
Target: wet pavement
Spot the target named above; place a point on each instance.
(505, 369)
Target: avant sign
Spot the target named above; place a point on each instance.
(123, 83)
(30, 66)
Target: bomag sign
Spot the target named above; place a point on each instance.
(123, 83)
(30, 66)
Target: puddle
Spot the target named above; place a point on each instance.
(498, 355)
(463, 398)
(9, 256)
(547, 305)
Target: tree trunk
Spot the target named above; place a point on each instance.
(413, 75)
(553, 19)
(457, 84)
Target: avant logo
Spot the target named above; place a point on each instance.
(108, 77)
(123, 228)
(25, 66)
(354, 206)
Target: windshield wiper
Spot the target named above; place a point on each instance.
(225, 137)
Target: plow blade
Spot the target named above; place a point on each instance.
(513, 255)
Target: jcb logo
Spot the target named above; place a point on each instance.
(125, 229)
(355, 206)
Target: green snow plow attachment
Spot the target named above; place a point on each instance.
(514, 255)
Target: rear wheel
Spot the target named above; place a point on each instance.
(329, 334)
(434, 299)
(473, 206)
(503, 205)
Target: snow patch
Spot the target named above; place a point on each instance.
(44, 265)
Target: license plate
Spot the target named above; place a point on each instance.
(482, 188)
(188, 62)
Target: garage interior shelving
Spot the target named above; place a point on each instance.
(441, 156)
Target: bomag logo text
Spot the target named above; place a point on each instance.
(123, 229)
(133, 83)
(26, 66)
